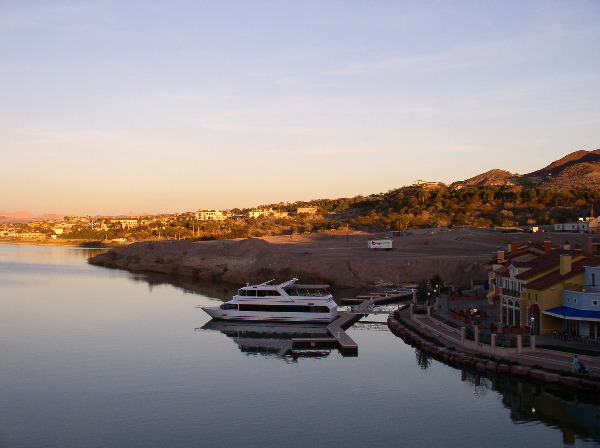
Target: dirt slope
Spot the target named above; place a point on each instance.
(334, 258)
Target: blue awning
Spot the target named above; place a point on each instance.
(565, 312)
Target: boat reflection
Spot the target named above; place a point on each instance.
(576, 414)
(271, 339)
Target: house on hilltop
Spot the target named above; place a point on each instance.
(425, 184)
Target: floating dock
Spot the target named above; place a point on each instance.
(339, 338)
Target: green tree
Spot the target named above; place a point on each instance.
(423, 291)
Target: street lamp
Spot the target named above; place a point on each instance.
(532, 320)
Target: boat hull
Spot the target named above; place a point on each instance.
(262, 316)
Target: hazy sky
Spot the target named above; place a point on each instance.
(171, 106)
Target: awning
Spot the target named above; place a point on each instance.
(565, 312)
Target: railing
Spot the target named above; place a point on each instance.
(469, 334)
(511, 293)
(485, 338)
(506, 340)
(510, 340)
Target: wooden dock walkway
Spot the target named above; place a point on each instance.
(339, 338)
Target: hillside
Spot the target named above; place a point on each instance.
(335, 258)
(489, 178)
(577, 170)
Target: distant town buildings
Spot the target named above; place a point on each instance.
(256, 213)
(307, 210)
(125, 223)
(212, 215)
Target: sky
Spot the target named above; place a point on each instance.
(110, 107)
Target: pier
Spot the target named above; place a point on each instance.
(362, 306)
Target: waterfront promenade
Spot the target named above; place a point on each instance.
(534, 357)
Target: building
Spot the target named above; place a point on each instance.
(505, 287)
(579, 226)
(425, 184)
(32, 235)
(579, 313)
(211, 215)
(256, 213)
(594, 244)
(125, 223)
(525, 283)
(307, 210)
(594, 223)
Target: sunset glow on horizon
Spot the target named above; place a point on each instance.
(164, 107)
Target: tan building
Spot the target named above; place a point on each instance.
(125, 223)
(307, 210)
(530, 279)
(211, 215)
(425, 184)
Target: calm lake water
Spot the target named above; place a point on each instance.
(92, 357)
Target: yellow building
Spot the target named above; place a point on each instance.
(525, 284)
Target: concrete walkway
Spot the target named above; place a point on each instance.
(548, 359)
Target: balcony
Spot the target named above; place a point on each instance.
(511, 293)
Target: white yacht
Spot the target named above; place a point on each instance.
(286, 302)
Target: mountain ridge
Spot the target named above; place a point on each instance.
(577, 170)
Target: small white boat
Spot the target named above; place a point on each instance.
(286, 302)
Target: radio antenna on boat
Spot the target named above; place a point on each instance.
(266, 283)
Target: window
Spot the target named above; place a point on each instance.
(511, 312)
(594, 303)
(285, 308)
(575, 300)
(229, 306)
(568, 300)
(593, 279)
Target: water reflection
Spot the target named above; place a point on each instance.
(215, 290)
(423, 359)
(270, 339)
(219, 291)
(576, 415)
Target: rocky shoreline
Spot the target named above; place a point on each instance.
(459, 358)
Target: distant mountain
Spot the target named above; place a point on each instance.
(578, 170)
(24, 216)
(19, 215)
(489, 178)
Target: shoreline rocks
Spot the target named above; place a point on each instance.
(462, 359)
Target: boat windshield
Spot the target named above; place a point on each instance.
(258, 292)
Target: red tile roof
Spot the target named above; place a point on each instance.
(555, 277)
(548, 261)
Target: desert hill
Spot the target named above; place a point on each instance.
(577, 170)
(335, 258)
(489, 178)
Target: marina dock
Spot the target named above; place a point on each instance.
(363, 306)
